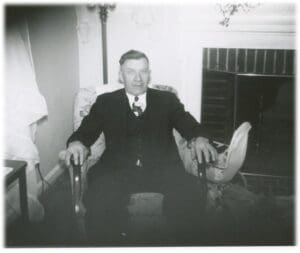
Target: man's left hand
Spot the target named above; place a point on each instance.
(201, 146)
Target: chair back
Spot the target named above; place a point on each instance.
(237, 150)
(232, 159)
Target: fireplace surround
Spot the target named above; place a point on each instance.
(255, 85)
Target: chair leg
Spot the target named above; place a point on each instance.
(80, 220)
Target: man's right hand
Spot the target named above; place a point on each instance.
(78, 151)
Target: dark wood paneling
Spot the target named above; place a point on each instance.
(256, 61)
(217, 104)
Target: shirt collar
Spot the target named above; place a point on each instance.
(142, 100)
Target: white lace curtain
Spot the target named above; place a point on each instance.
(24, 106)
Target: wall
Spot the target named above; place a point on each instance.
(174, 35)
(90, 46)
(54, 48)
(152, 29)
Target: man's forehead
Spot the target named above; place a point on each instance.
(136, 63)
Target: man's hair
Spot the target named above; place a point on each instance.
(132, 54)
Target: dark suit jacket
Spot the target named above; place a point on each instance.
(164, 113)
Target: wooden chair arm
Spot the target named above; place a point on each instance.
(77, 194)
(78, 185)
(201, 171)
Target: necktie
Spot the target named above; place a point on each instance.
(136, 109)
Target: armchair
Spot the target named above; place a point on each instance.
(144, 207)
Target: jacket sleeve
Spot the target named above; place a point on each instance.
(91, 126)
(183, 121)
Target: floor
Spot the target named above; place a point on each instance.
(58, 227)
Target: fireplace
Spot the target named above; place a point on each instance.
(255, 85)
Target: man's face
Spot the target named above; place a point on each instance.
(135, 75)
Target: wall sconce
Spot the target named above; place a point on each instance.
(228, 10)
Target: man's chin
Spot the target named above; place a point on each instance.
(137, 92)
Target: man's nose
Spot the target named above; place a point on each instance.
(137, 77)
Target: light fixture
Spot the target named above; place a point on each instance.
(103, 10)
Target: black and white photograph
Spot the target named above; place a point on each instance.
(149, 124)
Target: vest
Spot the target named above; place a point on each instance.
(136, 147)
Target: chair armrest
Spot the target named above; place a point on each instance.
(78, 189)
(77, 177)
(78, 186)
(206, 171)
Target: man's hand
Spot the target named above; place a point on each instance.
(201, 146)
(78, 151)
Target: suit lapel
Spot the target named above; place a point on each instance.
(122, 109)
(150, 102)
(152, 111)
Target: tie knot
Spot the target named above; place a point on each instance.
(136, 98)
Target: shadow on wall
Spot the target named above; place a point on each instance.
(54, 46)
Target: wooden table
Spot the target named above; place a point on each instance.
(19, 173)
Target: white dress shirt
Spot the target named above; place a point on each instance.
(142, 102)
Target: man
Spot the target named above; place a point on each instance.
(141, 154)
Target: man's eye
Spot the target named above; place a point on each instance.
(130, 72)
(144, 72)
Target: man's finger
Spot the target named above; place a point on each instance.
(206, 155)
(193, 154)
(75, 158)
(80, 156)
(67, 158)
(212, 152)
(199, 155)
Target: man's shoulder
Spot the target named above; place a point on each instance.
(161, 93)
(163, 97)
(111, 94)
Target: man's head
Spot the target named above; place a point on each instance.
(134, 72)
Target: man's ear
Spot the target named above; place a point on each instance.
(149, 76)
(121, 79)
